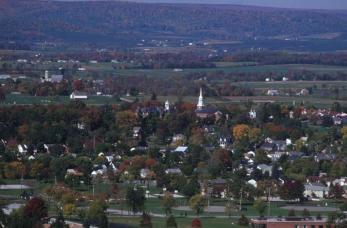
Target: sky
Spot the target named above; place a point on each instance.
(301, 4)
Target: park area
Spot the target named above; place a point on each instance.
(118, 212)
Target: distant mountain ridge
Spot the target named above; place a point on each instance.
(113, 21)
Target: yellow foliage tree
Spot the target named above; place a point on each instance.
(241, 131)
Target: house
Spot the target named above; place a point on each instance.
(273, 92)
(303, 92)
(265, 169)
(99, 170)
(275, 145)
(316, 190)
(55, 78)
(252, 114)
(208, 112)
(217, 187)
(73, 172)
(145, 173)
(224, 141)
(341, 181)
(340, 119)
(136, 132)
(22, 148)
(289, 222)
(252, 182)
(275, 156)
(181, 149)
(324, 157)
(175, 171)
(178, 138)
(78, 95)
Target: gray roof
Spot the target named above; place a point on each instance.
(316, 187)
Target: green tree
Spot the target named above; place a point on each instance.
(197, 203)
(168, 201)
(192, 188)
(146, 221)
(135, 198)
(96, 214)
(260, 206)
(59, 221)
(243, 221)
(306, 213)
(171, 222)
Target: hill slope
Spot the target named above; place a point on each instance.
(125, 22)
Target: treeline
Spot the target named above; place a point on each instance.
(336, 58)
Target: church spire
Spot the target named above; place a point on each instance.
(200, 104)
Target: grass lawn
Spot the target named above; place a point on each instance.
(12, 99)
(181, 222)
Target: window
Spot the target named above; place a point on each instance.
(313, 226)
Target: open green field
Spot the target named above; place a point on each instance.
(280, 69)
(109, 68)
(292, 84)
(98, 100)
(181, 222)
(14, 99)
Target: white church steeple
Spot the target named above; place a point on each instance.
(200, 104)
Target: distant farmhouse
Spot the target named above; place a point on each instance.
(76, 95)
(54, 78)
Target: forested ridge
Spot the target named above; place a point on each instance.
(108, 21)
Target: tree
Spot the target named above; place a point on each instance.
(171, 222)
(192, 188)
(292, 190)
(2, 95)
(243, 221)
(229, 208)
(241, 131)
(306, 213)
(69, 209)
(35, 210)
(146, 221)
(336, 191)
(97, 214)
(291, 213)
(168, 201)
(135, 198)
(59, 221)
(260, 206)
(126, 120)
(197, 203)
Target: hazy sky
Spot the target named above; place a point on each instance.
(313, 4)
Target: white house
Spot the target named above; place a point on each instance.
(22, 148)
(144, 173)
(78, 95)
(273, 92)
(176, 171)
(316, 190)
(252, 114)
(181, 149)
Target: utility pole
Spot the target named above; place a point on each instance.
(269, 202)
(241, 200)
